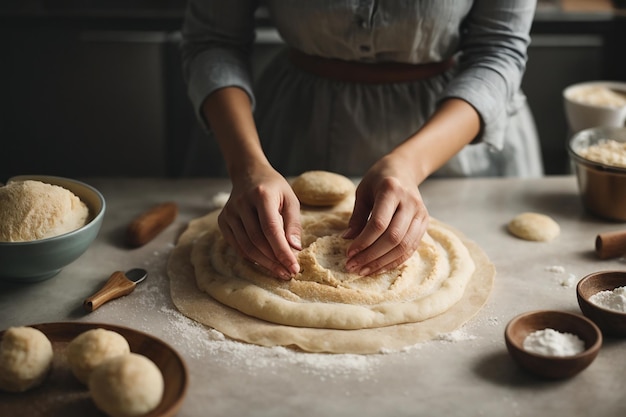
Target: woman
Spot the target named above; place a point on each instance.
(391, 91)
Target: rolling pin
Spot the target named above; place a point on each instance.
(611, 244)
(150, 223)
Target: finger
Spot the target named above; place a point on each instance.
(272, 227)
(229, 237)
(292, 225)
(358, 219)
(401, 252)
(237, 237)
(393, 236)
(270, 266)
(390, 242)
(383, 212)
(248, 233)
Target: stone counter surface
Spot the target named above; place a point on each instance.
(464, 373)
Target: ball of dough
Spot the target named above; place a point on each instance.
(89, 349)
(534, 226)
(322, 188)
(32, 210)
(127, 386)
(25, 358)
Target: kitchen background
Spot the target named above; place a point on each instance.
(94, 87)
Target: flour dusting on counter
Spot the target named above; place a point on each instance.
(194, 340)
(201, 342)
(564, 279)
(557, 269)
(198, 342)
(458, 335)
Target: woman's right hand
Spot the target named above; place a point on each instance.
(261, 220)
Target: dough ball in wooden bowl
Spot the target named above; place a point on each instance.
(127, 386)
(25, 359)
(91, 348)
(322, 188)
(534, 226)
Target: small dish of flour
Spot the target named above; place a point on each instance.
(614, 300)
(550, 342)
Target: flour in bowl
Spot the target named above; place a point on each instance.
(608, 152)
(611, 299)
(597, 95)
(550, 342)
(32, 210)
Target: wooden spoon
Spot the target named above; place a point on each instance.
(118, 284)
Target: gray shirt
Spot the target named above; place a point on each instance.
(488, 38)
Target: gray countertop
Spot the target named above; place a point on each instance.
(464, 373)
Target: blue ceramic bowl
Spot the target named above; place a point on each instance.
(38, 260)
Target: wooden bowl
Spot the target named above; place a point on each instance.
(61, 395)
(611, 322)
(552, 367)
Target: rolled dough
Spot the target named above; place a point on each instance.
(198, 305)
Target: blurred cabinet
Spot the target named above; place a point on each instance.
(102, 102)
(554, 62)
(86, 102)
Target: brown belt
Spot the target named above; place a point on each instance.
(366, 73)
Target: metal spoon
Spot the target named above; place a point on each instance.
(118, 284)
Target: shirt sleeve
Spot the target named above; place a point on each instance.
(217, 39)
(494, 42)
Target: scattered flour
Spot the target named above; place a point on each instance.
(493, 321)
(458, 335)
(557, 269)
(550, 342)
(612, 300)
(566, 281)
(569, 281)
(200, 343)
(406, 349)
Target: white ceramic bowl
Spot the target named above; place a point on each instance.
(586, 105)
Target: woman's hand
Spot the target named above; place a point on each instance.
(389, 218)
(261, 220)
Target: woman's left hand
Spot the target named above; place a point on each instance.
(389, 218)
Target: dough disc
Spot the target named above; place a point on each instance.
(199, 306)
